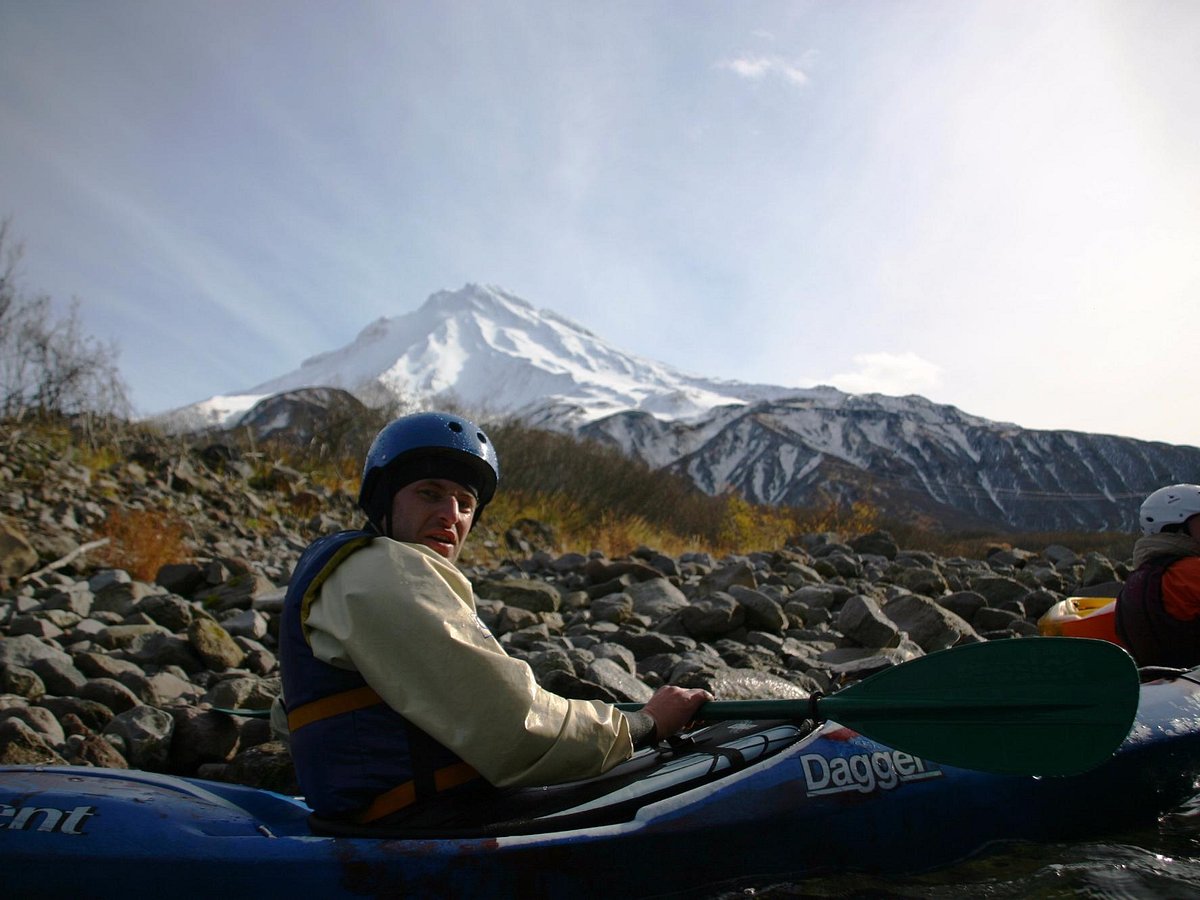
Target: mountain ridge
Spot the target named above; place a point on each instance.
(490, 351)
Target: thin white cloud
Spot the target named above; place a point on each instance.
(889, 373)
(756, 68)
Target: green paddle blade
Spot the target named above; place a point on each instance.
(1036, 706)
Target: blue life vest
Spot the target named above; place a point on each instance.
(1155, 637)
(356, 758)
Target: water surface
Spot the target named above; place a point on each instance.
(1161, 863)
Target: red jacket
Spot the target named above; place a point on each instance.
(1181, 588)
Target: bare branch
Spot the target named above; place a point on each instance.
(48, 365)
(66, 560)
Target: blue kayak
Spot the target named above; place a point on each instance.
(734, 804)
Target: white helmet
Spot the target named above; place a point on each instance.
(1171, 505)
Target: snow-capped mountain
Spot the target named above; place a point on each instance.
(498, 355)
(494, 352)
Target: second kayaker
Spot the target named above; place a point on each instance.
(401, 705)
(1158, 609)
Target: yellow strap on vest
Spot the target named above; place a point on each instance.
(453, 775)
(333, 705)
(398, 797)
(387, 803)
(406, 794)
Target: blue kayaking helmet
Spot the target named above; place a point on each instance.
(427, 445)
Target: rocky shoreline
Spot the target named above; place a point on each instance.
(100, 668)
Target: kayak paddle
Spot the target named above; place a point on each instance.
(1032, 706)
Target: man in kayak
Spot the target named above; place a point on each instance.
(1158, 609)
(395, 691)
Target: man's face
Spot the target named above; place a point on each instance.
(434, 512)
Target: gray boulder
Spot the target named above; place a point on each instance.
(122, 637)
(656, 598)
(94, 750)
(161, 649)
(622, 656)
(1060, 556)
(111, 693)
(929, 625)
(21, 682)
(839, 565)
(1097, 569)
(762, 613)
(863, 621)
(618, 681)
(997, 589)
(20, 745)
(78, 600)
(168, 610)
(200, 737)
(534, 596)
(876, 543)
(722, 579)
(102, 665)
(612, 608)
(712, 616)
(214, 645)
(964, 604)
(121, 598)
(40, 719)
(514, 618)
(143, 736)
(248, 623)
(92, 714)
(169, 688)
(644, 644)
(543, 662)
(17, 555)
(926, 581)
(571, 686)
(59, 676)
(25, 649)
(37, 624)
(243, 692)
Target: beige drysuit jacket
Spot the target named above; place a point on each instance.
(405, 619)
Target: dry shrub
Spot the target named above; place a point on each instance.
(734, 525)
(977, 544)
(594, 480)
(142, 541)
(859, 517)
(749, 526)
(98, 458)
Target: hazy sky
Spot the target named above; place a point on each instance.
(992, 204)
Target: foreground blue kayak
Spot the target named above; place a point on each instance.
(737, 804)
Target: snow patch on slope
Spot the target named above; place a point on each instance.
(494, 351)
